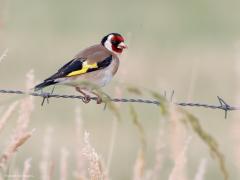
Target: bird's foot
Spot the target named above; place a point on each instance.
(99, 100)
(86, 99)
(102, 99)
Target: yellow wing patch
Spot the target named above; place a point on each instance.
(84, 69)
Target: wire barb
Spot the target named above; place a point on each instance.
(45, 96)
(223, 105)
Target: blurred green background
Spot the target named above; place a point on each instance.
(191, 47)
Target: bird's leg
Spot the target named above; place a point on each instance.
(99, 98)
(86, 98)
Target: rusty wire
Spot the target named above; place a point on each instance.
(221, 106)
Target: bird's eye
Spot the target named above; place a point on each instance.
(114, 42)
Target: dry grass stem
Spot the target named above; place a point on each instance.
(80, 172)
(46, 165)
(112, 142)
(138, 172)
(177, 135)
(13, 146)
(201, 170)
(138, 126)
(159, 157)
(26, 106)
(115, 121)
(26, 170)
(4, 54)
(7, 115)
(30, 79)
(96, 169)
(180, 162)
(212, 144)
(64, 164)
(21, 133)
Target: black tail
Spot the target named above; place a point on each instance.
(44, 84)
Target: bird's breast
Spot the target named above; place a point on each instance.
(107, 74)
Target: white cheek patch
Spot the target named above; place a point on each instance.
(108, 43)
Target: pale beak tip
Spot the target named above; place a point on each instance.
(122, 45)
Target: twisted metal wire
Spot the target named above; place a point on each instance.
(222, 104)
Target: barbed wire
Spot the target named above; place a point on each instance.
(221, 106)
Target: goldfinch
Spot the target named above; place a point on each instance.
(96, 64)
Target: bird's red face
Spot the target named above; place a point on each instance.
(118, 44)
(114, 42)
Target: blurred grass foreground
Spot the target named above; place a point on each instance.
(186, 46)
(91, 165)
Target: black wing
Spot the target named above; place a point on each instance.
(74, 67)
(71, 66)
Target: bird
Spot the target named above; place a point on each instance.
(95, 65)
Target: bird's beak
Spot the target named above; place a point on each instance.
(122, 45)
